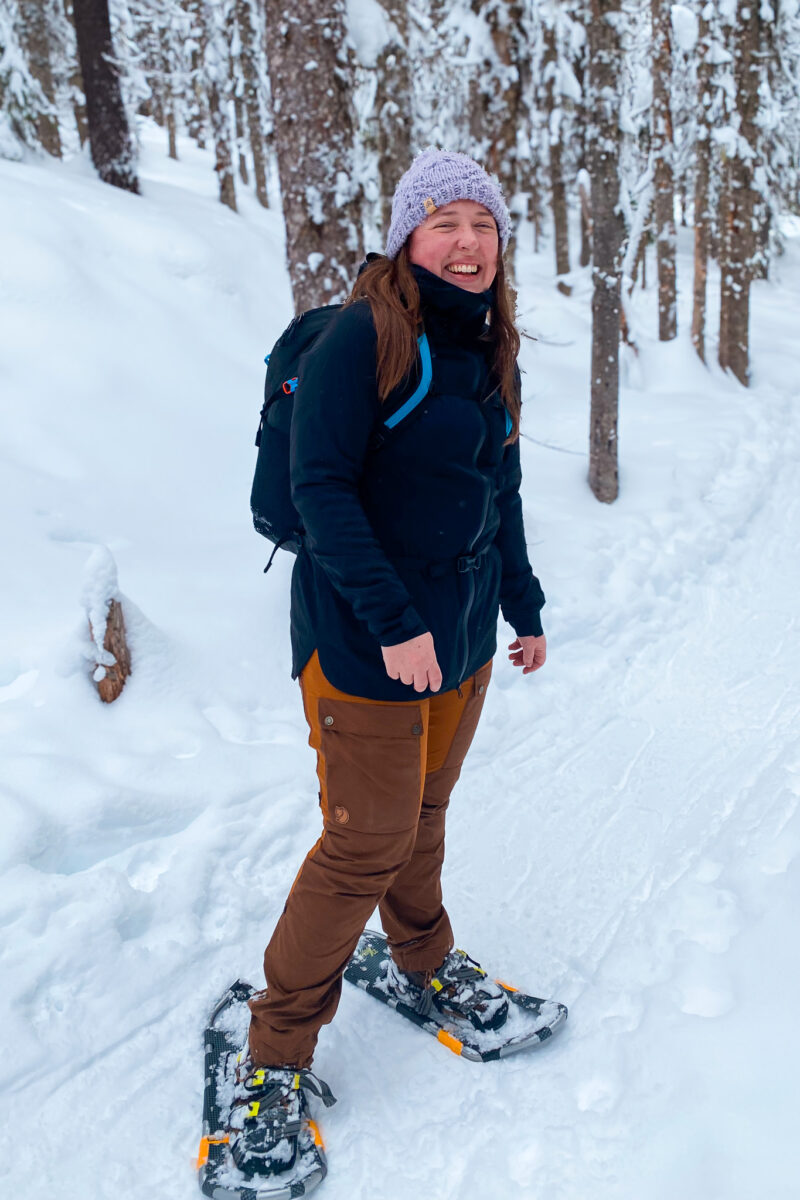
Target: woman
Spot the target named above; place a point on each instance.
(410, 548)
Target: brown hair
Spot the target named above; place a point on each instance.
(391, 289)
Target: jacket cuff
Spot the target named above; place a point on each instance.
(529, 628)
(408, 625)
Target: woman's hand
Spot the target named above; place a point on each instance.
(414, 662)
(529, 653)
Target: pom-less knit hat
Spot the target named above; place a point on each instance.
(436, 178)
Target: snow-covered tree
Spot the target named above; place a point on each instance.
(311, 82)
(558, 97)
(662, 151)
(110, 138)
(738, 142)
(23, 103)
(606, 23)
(702, 211)
(36, 21)
(249, 18)
(218, 90)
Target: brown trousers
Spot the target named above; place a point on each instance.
(386, 772)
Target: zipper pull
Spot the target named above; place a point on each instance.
(460, 693)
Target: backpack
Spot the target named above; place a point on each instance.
(274, 514)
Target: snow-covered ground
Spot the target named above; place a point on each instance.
(625, 835)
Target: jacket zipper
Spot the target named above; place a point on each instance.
(470, 600)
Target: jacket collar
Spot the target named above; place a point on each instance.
(453, 310)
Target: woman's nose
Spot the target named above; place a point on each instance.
(467, 238)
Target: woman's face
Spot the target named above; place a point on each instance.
(458, 243)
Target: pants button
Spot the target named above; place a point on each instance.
(416, 729)
(328, 720)
(481, 689)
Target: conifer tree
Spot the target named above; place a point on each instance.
(311, 79)
(253, 71)
(662, 150)
(74, 79)
(702, 178)
(37, 18)
(603, 143)
(738, 196)
(393, 93)
(109, 136)
(218, 90)
(23, 103)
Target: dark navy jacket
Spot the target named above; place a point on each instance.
(423, 533)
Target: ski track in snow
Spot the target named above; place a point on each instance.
(627, 818)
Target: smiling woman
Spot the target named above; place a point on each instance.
(412, 541)
(459, 241)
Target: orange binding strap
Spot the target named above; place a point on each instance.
(507, 986)
(314, 1127)
(448, 1040)
(202, 1153)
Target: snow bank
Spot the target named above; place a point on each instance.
(625, 833)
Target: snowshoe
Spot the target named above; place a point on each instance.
(469, 1017)
(259, 1140)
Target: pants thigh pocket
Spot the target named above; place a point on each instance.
(373, 774)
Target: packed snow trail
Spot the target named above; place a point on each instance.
(625, 834)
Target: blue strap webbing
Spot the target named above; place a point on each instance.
(424, 385)
(509, 423)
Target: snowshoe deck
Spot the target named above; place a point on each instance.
(530, 1021)
(220, 1178)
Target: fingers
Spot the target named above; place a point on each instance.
(529, 653)
(414, 663)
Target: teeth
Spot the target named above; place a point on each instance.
(463, 269)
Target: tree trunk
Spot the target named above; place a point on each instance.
(702, 216)
(394, 129)
(252, 72)
(585, 197)
(736, 227)
(197, 113)
(498, 110)
(36, 36)
(558, 190)
(167, 73)
(110, 678)
(238, 112)
(662, 147)
(603, 145)
(310, 76)
(109, 136)
(172, 132)
(76, 85)
(217, 88)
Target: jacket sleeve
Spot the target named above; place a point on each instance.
(521, 596)
(336, 409)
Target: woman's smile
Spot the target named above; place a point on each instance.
(458, 242)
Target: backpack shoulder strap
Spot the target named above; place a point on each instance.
(422, 389)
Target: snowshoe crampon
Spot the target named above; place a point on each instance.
(246, 1152)
(530, 1021)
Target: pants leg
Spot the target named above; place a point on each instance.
(371, 759)
(413, 916)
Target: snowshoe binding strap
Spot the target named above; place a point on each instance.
(259, 1085)
(449, 990)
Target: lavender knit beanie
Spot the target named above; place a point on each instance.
(438, 177)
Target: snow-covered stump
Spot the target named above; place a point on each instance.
(112, 658)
